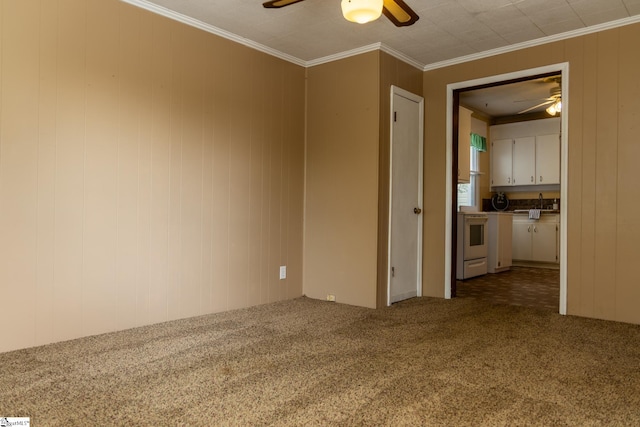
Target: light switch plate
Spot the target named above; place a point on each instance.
(283, 272)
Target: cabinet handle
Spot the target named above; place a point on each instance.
(509, 180)
(540, 178)
(531, 178)
(535, 229)
(529, 229)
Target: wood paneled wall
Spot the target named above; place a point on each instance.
(397, 73)
(341, 220)
(604, 106)
(149, 171)
(347, 210)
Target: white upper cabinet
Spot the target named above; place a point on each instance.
(501, 162)
(548, 159)
(524, 165)
(464, 145)
(525, 153)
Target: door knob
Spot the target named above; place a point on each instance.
(417, 211)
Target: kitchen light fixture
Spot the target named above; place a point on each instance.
(361, 11)
(555, 108)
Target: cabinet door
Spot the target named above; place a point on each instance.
(548, 159)
(464, 145)
(501, 162)
(544, 246)
(505, 225)
(522, 240)
(524, 161)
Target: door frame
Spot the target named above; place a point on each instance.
(395, 90)
(562, 68)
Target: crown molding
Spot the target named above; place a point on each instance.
(402, 57)
(167, 13)
(537, 42)
(160, 10)
(342, 55)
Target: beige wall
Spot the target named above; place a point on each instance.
(341, 220)
(400, 74)
(604, 105)
(148, 171)
(347, 192)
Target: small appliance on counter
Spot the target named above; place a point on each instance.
(499, 201)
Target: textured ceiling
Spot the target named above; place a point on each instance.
(512, 99)
(447, 29)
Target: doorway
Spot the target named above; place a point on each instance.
(453, 91)
(404, 278)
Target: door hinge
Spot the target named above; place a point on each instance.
(395, 116)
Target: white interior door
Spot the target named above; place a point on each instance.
(405, 210)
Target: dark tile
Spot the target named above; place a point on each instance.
(525, 286)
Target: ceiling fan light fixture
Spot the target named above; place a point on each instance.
(361, 11)
(551, 109)
(554, 108)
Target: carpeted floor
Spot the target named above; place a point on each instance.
(306, 362)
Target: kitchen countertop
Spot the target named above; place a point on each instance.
(542, 211)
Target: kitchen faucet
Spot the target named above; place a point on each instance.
(540, 199)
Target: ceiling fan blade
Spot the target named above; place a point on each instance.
(533, 100)
(279, 3)
(399, 13)
(535, 106)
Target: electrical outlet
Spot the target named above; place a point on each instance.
(331, 297)
(283, 272)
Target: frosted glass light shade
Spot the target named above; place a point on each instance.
(361, 11)
(551, 110)
(555, 108)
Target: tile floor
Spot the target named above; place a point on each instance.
(526, 286)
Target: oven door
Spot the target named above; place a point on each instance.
(475, 237)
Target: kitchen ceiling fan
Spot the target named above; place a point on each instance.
(554, 100)
(362, 11)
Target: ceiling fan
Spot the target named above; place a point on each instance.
(398, 12)
(554, 100)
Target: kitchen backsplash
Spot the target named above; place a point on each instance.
(522, 204)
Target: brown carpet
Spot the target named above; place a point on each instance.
(306, 362)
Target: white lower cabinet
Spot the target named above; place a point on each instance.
(500, 241)
(521, 247)
(536, 240)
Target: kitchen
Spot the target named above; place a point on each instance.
(508, 233)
